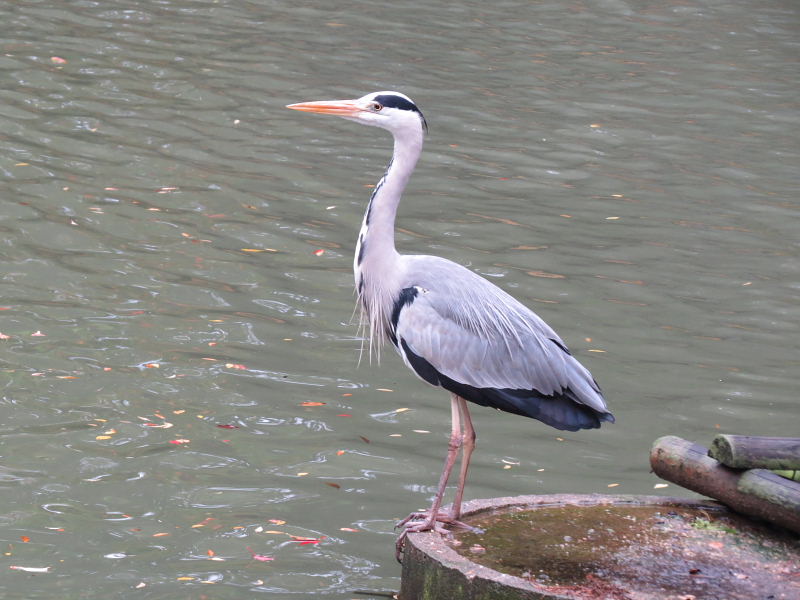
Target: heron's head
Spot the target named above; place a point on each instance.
(390, 110)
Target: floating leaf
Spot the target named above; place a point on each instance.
(306, 541)
(261, 557)
(546, 275)
(312, 404)
(333, 484)
(203, 523)
(221, 426)
(30, 569)
(319, 252)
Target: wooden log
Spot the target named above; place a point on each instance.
(756, 452)
(771, 487)
(689, 465)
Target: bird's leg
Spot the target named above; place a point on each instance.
(467, 446)
(429, 521)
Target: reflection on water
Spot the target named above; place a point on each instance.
(179, 368)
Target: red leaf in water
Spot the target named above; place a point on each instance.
(305, 541)
(221, 426)
(260, 557)
(333, 485)
(344, 415)
(319, 252)
(25, 538)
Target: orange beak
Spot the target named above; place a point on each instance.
(341, 108)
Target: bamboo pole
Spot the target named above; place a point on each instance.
(689, 465)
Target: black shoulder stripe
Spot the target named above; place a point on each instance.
(405, 297)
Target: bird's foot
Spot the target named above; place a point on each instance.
(429, 522)
(417, 522)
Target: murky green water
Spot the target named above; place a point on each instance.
(627, 169)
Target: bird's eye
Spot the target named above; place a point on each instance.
(376, 107)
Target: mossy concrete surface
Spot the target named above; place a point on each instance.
(601, 547)
(432, 570)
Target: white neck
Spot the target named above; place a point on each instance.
(375, 264)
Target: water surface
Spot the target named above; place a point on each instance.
(181, 390)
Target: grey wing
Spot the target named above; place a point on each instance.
(475, 339)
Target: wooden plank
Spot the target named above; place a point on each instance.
(756, 452)
(689, 465)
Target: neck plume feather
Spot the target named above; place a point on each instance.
(377, 265)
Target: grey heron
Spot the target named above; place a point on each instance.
(452, 327)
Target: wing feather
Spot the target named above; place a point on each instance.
(475, 334)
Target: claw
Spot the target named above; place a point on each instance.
(412, 517)
(427, 522)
